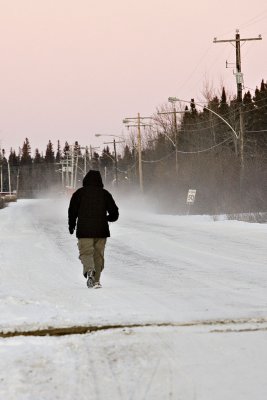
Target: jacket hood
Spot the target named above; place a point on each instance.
(93, 178)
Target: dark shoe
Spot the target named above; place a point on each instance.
(90, 280)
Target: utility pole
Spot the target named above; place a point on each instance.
(1, 179)
(72, 166)
(1, 171)
(115, 159)
(239, 82)
(139, 144)
(176, 135)
(76, 167)
(116, 162)
(85, 160)
(67, 171)
(239, 76)
(9, 179)
(140, 153)
(174, 112)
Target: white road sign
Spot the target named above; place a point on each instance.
(191, 196)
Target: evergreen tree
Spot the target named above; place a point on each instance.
(127, 159)
(214, 104)
(106, 159)
(13, 158)
(248, 108)
(66, 149)
(49, 154)
(95, 161)
(259, 125)
(77, 148)
(260, 117)
(26, 153)
(4, 171)
(13, 161)
(58, 155)
(223, 106)
(25, 186)
(37, 158)
(193, 107)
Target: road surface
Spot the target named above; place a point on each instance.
(183, 309)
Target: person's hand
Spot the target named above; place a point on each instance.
(71, 230)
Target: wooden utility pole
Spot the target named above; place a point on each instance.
(139, 124)
(114, 142)
(174, 112)
(239, 76)
(239, 82)
(140, 153)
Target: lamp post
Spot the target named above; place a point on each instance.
(100, 134)
(206, 108)
(235, 135)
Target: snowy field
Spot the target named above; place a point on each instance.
(183, 309)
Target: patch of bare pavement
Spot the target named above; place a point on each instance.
(213, 326)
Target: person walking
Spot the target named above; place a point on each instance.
(92, 207)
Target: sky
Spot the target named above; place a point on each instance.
(72, 69)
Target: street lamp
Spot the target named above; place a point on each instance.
(99, 134)
(173, 99)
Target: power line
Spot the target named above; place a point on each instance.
(253, 20)
(226, 116)
(161, 159)
(249, 22)
(208, 149)
(187, 152)
(202, 57)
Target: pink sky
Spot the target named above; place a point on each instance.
(70, 69)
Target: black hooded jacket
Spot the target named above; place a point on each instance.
(93, 206)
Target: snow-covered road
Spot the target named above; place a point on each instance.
(159, 269)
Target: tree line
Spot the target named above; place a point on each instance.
(196, 150)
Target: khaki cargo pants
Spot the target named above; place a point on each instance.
(92, 255)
